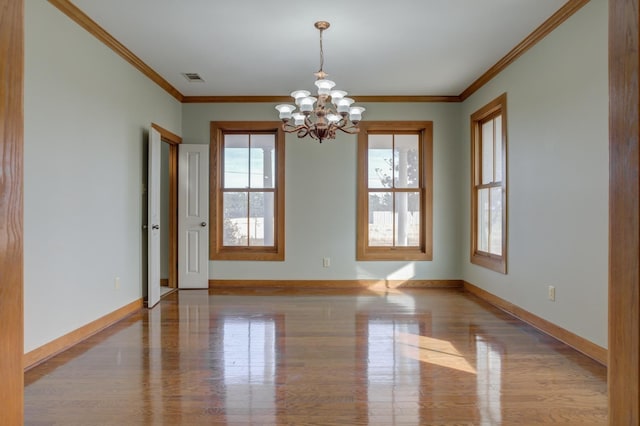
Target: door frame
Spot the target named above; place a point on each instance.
(624, 214)
(11, 211)
(173, 140)
(12, 375)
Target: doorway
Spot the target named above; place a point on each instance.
(169, 210)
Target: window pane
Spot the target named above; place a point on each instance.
(380, 160)
(261, 219)
(495, 242)
(407, 219)
(406, 161)
(483, 220)
(498, 148)
(236, 161)
(487, 152)
(235, 219)
(381, 219)
(263, 164)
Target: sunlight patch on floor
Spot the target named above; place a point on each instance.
(433, 351)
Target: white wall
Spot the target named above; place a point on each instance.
(557, 107)
(320, 197)
(86, 111)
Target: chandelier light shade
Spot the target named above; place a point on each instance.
(320, 117)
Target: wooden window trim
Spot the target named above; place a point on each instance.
(216, 249)
(425, 250)
(494, 108)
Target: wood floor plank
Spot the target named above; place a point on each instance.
(300, 357)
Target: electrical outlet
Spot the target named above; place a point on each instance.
(551, 293)
(116, 283)
(326, 262)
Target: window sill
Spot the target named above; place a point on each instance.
(497, 264)
(392, 254)
(245, 253)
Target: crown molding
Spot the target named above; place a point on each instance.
(77, 15)
(407, 98)
(275, 98)
(554, 21)
(234, 99)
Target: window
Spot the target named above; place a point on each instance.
(395, 191)
(489, 186)
(247, 191)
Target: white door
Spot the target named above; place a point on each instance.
(153, 221)
(193, 216)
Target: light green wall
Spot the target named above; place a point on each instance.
(321, 197)
(86, 115)
(557, 111)
(558, 166)
(86, 111)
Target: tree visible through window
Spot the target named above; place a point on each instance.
(488, 133)
(394, 196)
(248, 191)
(394, 184)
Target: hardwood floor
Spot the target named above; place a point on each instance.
(318, 357)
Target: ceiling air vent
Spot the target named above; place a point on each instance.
(193, 77)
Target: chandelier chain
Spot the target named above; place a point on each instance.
(321, 53)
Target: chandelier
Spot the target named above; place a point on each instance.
(332, 111)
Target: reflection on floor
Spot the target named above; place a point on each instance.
(332, 357)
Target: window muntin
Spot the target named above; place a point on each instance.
(248, 188)
(248, 191)
(394, 205)
(488, 130)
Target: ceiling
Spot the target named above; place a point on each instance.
(373, 47)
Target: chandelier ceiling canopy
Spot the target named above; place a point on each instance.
(320, 117)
